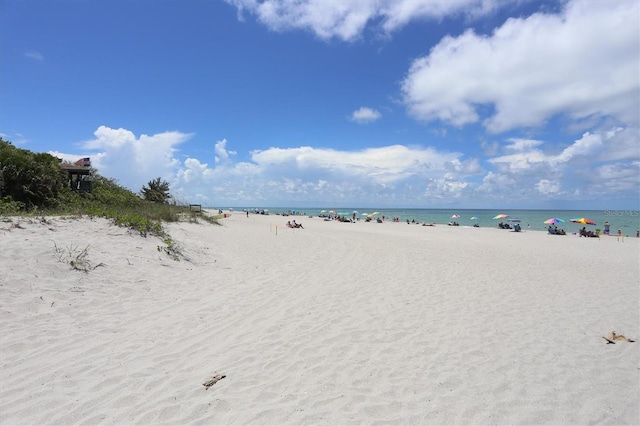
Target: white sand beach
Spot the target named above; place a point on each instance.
(335, 323)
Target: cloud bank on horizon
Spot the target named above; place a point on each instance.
(546, 107)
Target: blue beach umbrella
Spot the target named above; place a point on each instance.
(475, 218)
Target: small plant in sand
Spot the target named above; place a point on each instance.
(171, 248)
(75, 257)
(15, 225)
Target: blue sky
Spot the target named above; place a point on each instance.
(322, 103)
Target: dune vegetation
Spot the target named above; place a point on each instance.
(34, 184)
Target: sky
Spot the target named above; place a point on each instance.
(334, 103)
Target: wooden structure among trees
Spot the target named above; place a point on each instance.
(79, 175)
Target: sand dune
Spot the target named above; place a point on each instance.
(336, 323)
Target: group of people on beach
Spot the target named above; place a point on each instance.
(553, 230)
(607, 230)
(585, 233)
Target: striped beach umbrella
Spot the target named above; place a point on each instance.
(583, 221)
(553, 220)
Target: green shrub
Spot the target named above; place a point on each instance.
(29, 178)
(8, 207)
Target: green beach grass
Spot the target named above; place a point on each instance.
(34, 184)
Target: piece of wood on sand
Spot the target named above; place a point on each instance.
(213, 380)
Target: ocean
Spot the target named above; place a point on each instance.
(628, 221)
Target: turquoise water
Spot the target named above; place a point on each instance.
(626, 220)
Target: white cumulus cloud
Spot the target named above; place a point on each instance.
(365, 115)
(545, 186)
(347, 19)
(522, 171)
(134, 160)
(580, 64)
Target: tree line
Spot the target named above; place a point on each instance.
(30, 181)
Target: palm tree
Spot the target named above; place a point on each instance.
(157, 190)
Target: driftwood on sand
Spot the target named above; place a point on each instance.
(613, 337)
(213, 380)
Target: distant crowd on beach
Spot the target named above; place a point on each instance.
(514, 224)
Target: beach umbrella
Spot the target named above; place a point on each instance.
(501, 216)
(374, 214)
(583, 221)
(475, 218)
(553, 220)
(455, 216)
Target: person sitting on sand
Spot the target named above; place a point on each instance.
(297, 225)
(588, 234)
